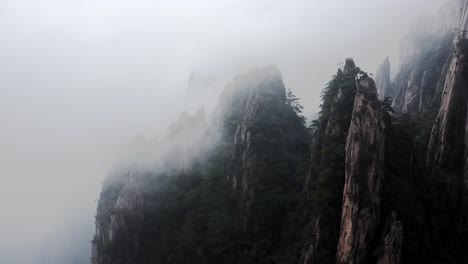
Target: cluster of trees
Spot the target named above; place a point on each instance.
(432, 229)
(193, 216)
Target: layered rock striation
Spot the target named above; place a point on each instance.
(364, 175)
(424, 62)
(447, 149)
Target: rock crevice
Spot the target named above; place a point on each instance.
(364, 175)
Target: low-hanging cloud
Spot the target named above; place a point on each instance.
(80, 78)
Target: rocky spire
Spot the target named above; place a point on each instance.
(382, 80)
(327, 171)
(364, 175)
(349, 65)
(333, 126)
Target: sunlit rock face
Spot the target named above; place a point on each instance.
(364, 175)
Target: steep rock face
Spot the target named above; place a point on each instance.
(392, 240)
(425, 58)
(130, 202)
(118, 224)
(419, 82)
(324, 181)
(382, 80)
(447, 149)
(250, 90)
(217, 193)
(333, 126)
(308, 253)
(364, 176)
(249, 104)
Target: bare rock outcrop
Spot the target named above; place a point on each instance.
(364, 175)
(327, 167)
(392, 240)
(382, 80)
(425, 59)
(251, 94)
(119, 221)
(447, 149)
(419, 83)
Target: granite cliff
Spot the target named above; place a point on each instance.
(380, 177)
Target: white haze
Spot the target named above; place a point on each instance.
(78, 79)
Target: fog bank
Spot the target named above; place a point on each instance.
(79, 79)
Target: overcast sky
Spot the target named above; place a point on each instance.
(80, 78)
